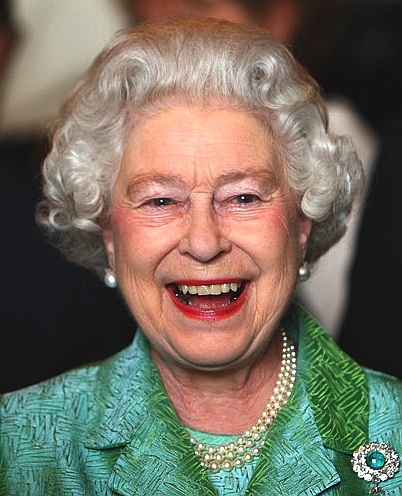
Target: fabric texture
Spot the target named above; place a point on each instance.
(109, 428)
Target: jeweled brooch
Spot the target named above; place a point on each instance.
(375, 463)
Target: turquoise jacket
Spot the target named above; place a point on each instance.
(109, 428)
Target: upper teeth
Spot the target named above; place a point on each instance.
(207, 289)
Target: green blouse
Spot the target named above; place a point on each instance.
(109, 428)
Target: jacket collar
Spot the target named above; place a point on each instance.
(130, 399)
(294, 455)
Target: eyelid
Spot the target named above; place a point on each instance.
(141, 196)
(172, 204)
(243, 200)
(233, 191)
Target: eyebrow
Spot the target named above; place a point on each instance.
(138, 183)
(249, 173)
(176, 181)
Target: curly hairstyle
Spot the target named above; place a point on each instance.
(145, 68)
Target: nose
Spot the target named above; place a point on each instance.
(203, 237)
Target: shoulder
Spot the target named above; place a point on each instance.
(385, 408)
(40, 423)
(48, 426)
(385, 392)
(67, 395)
(384, 382)
(71, 398)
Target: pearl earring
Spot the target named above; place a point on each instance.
(304, 272)
(110, 279)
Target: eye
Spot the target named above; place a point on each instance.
(245, 198)
(161, 202)
(161, 205)
(241, 202)
(156, 205)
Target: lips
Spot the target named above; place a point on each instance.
(216, 300)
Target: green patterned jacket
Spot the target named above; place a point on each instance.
(109, 428)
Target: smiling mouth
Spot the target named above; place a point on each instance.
(208, 296)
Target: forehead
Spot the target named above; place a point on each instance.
(213, 140)
(193, 126)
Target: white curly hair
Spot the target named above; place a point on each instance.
(150, 66)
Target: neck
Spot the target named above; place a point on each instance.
(222, 402)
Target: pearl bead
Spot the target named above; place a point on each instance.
(219, 457)
(238, 463)
(230, 454)
(248, 457)
(214, 467)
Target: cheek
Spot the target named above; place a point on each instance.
(288, 230)
(127, 235)
(136, 243)
(287, 224)
(273, 232)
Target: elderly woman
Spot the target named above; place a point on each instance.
(192, 166)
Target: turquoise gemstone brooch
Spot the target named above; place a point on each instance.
(375, 463)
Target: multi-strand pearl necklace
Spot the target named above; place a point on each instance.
(235, 454)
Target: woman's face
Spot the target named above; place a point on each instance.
(205, 236)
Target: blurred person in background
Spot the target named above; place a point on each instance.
(8, 35)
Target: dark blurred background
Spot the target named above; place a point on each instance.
(362, 58)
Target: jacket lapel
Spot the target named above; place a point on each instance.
(294, 457)
(162, 465)
(336, 387)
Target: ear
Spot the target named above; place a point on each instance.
(108, 240)
(304, 235)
